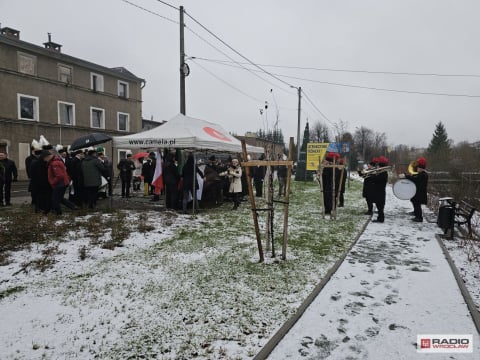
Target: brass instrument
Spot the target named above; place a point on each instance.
(412, 168)
(375, 171)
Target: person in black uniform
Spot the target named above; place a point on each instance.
(341, 198)
(421, 182)
(367, 190)
(258, 177)
(379, 183)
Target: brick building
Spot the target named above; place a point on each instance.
(46, 92)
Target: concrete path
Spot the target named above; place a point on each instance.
(394, 285)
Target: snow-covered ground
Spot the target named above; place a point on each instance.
(395, 284)
(193, 288)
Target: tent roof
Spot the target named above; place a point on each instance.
(185, 132)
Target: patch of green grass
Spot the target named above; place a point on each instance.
(11, 291)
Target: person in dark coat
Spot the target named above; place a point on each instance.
(421, 182)
(92, 170)
(380, 181)
(341, 197)
(74, 169)
(148, 170)
(40, 187)
(8, 174)
(35, 151)
(171, 178)
(368, 186)
(126, 167)
(190, 182)
(259, 177)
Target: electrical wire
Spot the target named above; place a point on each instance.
(356, 71)
(238, 53)
(165, 3)
(151, 12)
(226, 83)
(364, 87)
(226, 55)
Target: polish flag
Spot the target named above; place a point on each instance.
(157, 181)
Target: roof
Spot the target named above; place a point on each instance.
(120, 72)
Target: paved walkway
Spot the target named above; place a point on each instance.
(394, 284)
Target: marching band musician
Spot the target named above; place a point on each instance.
(368, 186)
(421, 181)
(380, 180)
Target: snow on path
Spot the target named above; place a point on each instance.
(395, 284)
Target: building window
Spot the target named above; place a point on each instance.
(96, 82)
(123, 89)
(27, 107)
(27, 63)
(65, 73)
(97, 118)
(66, 113)
(123, 121)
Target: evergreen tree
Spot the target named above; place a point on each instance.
(301, 172)
(439, 150)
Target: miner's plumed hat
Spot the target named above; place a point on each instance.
(422, 162)
(44, 143)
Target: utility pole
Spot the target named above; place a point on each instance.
(183, 66)
(298, 125)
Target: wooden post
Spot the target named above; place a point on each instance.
(287, 201)
(252, 203)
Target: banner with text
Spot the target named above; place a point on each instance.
(315, 154)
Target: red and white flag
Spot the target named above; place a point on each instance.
(157, 181)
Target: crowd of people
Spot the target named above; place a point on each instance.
(84, 174)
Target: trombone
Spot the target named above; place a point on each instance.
(375, 171)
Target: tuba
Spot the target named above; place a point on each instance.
(412, 168)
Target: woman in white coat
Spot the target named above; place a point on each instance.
(234, 174)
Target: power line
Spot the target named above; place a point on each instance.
(226, 55)
(238, 53)
(315, 107)
(365, 87)
(152, 12)
(165, 3)
(357, 71)
(226, 83)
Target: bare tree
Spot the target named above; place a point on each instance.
(319, 132)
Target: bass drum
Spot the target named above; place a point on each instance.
(404, 189)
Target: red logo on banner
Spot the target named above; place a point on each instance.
(216, 134)
(425, 344)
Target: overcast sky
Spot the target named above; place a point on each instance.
(296, 43)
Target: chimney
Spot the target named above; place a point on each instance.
(51, 45)
(10, 32)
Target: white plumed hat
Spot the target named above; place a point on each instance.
(44, 143)
(36, 145)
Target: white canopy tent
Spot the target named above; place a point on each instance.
(188, 133)
(185, 132)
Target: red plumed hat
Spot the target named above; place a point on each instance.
(329, 156)
(383, 161)
(422, 162)
(374, 161)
